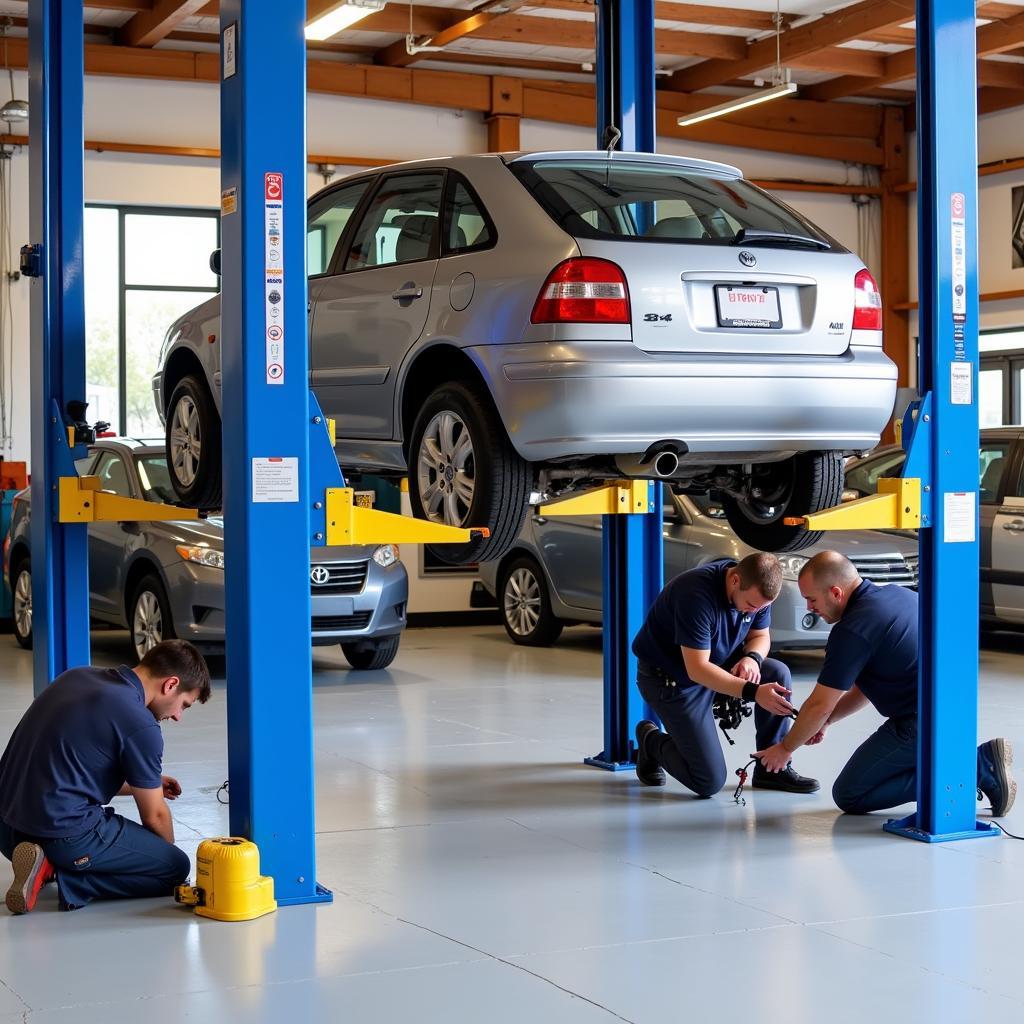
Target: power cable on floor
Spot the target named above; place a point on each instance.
(1007, 832)
(223, 789)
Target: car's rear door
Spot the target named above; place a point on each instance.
(109, 543)
(1001, 504)
(371, 309)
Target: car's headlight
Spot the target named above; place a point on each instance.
(385, 555)
(791, 566)
(204, 556)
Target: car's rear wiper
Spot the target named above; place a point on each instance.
(753, 236)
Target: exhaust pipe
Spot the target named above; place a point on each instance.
(660, 461)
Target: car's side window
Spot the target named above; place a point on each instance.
(865, 478)
(328, 219)
(400, 224)
(468, 226)
(112, 473)
(992, 463)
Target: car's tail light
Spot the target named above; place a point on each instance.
(867, 303)
(583, 291)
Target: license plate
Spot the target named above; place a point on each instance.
(748, 307)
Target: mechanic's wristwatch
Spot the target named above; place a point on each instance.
(754, 656)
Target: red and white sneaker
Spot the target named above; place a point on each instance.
(31, 872)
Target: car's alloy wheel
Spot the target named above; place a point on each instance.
(150, 617)
(526, 605)
(22, 605)
(193, 443)
(806, 483)
(465, 472)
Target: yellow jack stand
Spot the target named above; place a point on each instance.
(80, 500)
(229, 886)
(897, 506)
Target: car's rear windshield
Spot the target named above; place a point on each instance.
(617, 200)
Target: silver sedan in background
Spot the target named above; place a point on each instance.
(552, 576)
(166, 579)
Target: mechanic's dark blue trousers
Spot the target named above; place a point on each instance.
(117, 859)
(690, 749)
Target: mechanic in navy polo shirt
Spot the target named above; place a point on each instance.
(707, 633)
(91, 735)
(871, 658)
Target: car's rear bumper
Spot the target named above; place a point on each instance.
(568, 399)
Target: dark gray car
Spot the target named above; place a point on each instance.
(552, 575)
(497, 326)
(166, 579)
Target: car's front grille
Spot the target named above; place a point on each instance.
(333, 623)
(894, 568)
(337, 577)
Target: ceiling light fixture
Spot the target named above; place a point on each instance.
(340, 17)
(780, 86)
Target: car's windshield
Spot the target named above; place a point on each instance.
(629, 201)
(155, 478)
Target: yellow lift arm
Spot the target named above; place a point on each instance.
(80, 500)
(896, 506)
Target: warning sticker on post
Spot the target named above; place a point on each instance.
(273, 223)
(958, 225)
(275, 479)
(958, 517)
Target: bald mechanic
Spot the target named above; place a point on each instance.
(871, 658)
(91, 735)
(707, 633)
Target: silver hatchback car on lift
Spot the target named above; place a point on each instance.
(502, 328)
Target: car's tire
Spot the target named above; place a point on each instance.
(193, 442)
(149, 615)
(21, 596)
(372, 654)
(806, 483)
(463, 471)
(526, 604)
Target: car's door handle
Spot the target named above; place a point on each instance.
(408, 291)
(1017, 526)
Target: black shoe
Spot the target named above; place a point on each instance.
(995, 779)
(648, 771)
(788, 780)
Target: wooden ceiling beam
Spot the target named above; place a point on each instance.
(147, 28)
(829, 31)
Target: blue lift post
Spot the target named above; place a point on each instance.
(633, 561)
(266, 439)
(948, 371)
(53, 261)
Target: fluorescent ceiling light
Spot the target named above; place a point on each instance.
(339, 17)
(739, 103)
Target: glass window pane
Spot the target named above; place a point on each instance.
(147, 317)
(113, 475)
(992, 461)
(102, 315)
(468, 226)
(155, 478)
(990, 398)
(400, 225)
(327, 222)
(169, 249)
(1001, 341)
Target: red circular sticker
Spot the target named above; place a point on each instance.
(958, 204)
(274, 370)
(274, 332)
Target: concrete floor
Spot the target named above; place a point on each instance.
(481, 873)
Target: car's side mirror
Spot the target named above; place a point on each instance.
(215, 261)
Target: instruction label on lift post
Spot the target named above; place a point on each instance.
(273, 224)
(275, 479)
(958, 233)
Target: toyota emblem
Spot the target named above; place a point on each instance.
(748, 259)
(319, 575)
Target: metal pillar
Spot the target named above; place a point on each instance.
(633, 560)
(266, 439)
(948, 288)
(60, 570)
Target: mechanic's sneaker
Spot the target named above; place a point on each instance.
(648, 771)
(788, 780)
(995, 779)
(31, 872)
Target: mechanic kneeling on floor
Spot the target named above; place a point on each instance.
(94, 734)
(707, 633)
(871, 658)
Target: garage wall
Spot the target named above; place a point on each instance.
(187, 114)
